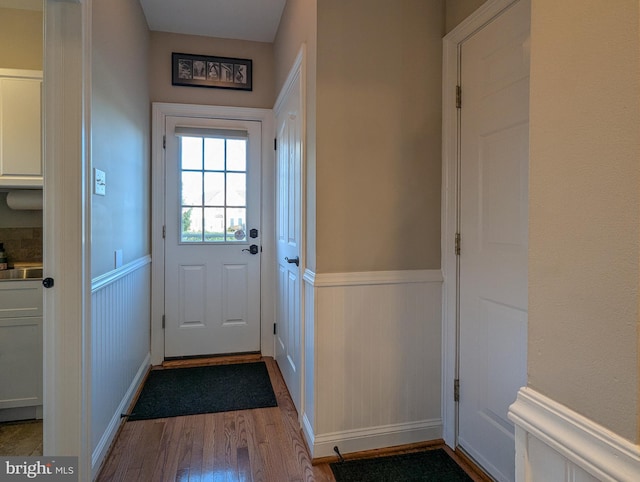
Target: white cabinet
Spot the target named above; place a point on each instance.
(20, 128)
(20, 349)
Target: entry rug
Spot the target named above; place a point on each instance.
(430, 465)
(218, 388)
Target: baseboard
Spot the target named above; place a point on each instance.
(555, 443)
(370, 438)
(110, 433)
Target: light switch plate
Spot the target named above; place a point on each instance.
(99, 182)
(117, 258)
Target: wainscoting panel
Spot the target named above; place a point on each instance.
(377, 360)
(120, 349)
(555, 443)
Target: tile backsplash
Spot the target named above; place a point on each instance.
(23, 245)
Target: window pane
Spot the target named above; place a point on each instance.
(214, 154)
(191, 189)
(214, 224)
(191, 225)
(236, 155)
(191, 154)
(236, 224)
(214, 189)
(236, 189)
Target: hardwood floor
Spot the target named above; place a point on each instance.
(21, 438)
(261, 445)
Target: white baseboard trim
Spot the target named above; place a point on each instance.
(371, 438)
(591, 447)
(102, 448)
(373, 277)
(307, 431)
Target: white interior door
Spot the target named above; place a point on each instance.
(288, 229)
(212, 243)
(494, 230)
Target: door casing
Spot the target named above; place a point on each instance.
(450, 206)
(160, 111)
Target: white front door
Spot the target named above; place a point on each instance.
(212, 243)
(288, 233)
(494, 229)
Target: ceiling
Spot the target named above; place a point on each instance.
(255, 20)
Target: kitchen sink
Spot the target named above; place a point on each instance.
(21, 273)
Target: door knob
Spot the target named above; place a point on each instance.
(253, 249)
(295, 260)
(47, 282)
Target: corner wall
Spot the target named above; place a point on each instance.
(120, 140)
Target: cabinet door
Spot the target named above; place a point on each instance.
(20, 131)
(21, 362)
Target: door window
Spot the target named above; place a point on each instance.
(213, 188)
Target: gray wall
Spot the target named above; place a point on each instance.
(120, 121)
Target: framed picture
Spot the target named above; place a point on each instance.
(215, 72)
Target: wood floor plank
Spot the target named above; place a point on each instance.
(260, 445)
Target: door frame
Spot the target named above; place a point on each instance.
(160, 111)
(67, 231)
(451, 207)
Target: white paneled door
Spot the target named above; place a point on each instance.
(494, 120)
(288, 232)
(212, 238)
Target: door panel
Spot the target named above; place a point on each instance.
(288, 229)
(494, 231)
(212, 280)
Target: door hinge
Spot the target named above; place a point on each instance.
(457, 248)
(456, 390)
(164, 232)
(164, 142)
(275, 144)
(163, 321)
(458, 97)
(275, 330)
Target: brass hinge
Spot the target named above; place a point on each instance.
(457, 248)
(275, 330)
(164, 232)
(164, 142)
(456, 390)
(458, 97)
(163, 321)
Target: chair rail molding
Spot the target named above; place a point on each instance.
(555, 443)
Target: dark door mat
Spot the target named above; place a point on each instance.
(218, 388)
(431, 465)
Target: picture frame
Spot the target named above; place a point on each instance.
(193, 70)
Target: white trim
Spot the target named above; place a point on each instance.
(108, 436)
(160, 111)
(67, 231)
(21, 73)
(370, 438)
(450, 196)
(323, 280)
(590, 446)
(307, 430)
(114, 275)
